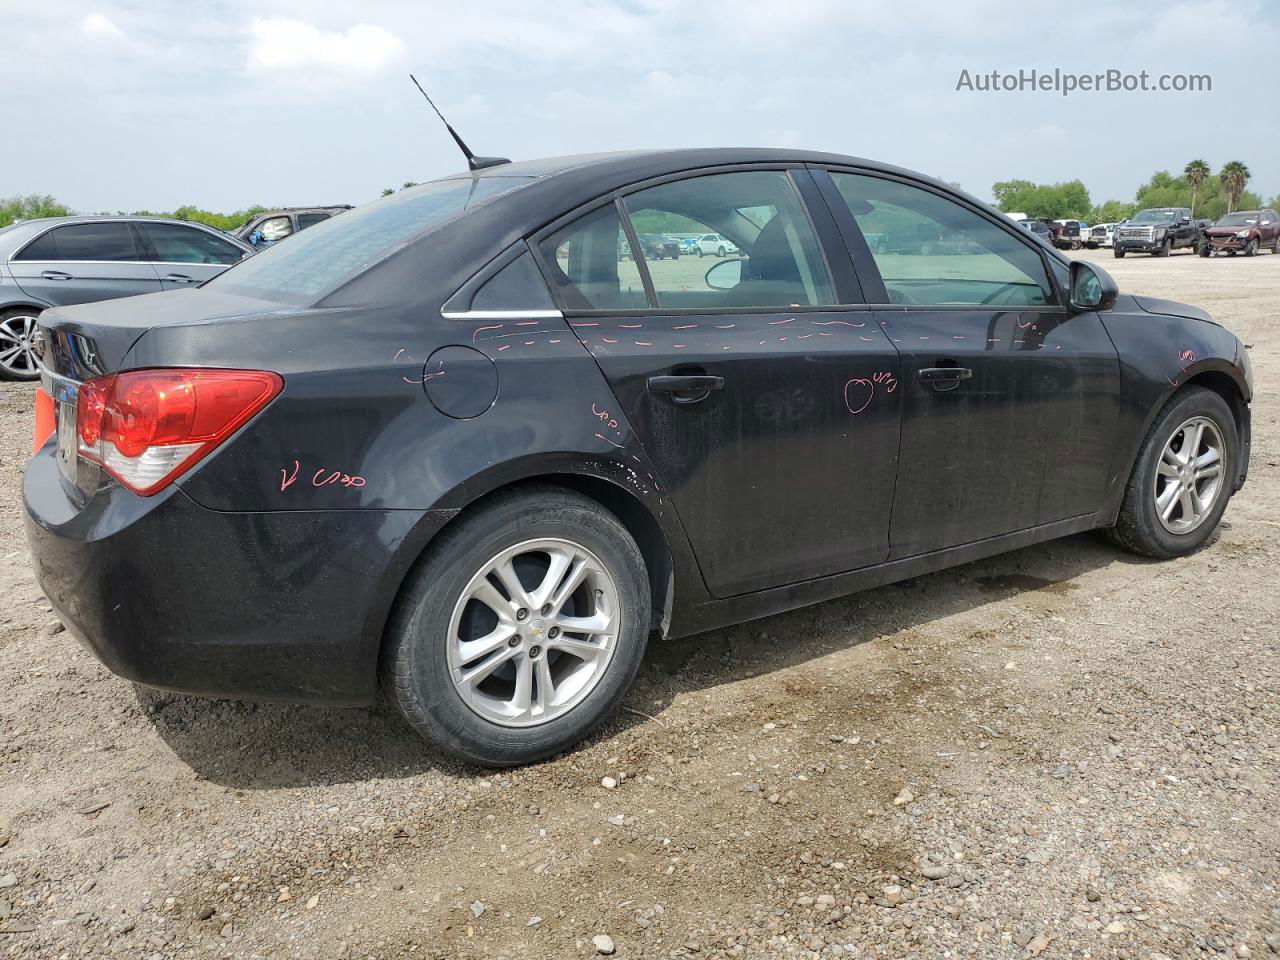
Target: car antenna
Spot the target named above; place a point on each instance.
(473, 162)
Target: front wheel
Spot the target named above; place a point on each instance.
(1251, 248)
(521, 630)
(1181, 481)
(720, 251)
(17, 344)
(1118, 253)
(1204, 250)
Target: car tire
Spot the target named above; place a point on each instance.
(1118, 253)
(1164, 249)
(720, 251)
(1204, 250)
(1275, 244)
(17, 327)
(1139, 527)
(425, 653)
(1075, 244)
(699, 252)
(1251, 248)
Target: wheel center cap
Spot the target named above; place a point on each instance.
(535, 629)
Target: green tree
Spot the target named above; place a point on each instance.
(1058, 201)
(408, 184)
(388, 191)
(30, 207)
(1195, 172)
(1111, 211)
(1234, 176)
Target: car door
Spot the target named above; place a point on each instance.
(84, 262)
(1269, 227)
(1008, 400)
(764, 394)
(186, 255)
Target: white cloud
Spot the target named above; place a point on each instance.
(280, 44)
(96, 25)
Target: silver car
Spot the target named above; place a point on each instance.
(59, 261)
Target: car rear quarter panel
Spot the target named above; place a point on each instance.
(355, 429)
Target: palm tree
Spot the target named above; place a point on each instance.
(1196, 171)
(1234, 176)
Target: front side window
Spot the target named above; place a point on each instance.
(176, 244)
(319, 258)
(592, 265)
(931, 250)
(109, 240)
(772, 256)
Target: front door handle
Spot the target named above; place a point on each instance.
(55, 275)
(943, 378)
(179, 278)
(686, 388)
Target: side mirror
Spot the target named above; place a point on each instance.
(1184, 221)
(1091, 287)
(725, 275)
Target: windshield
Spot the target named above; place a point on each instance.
(1238, 220)
(1154, 216)
(314, 261)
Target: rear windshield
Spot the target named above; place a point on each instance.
(299, 268)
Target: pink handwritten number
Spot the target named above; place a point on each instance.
(1186, 357)
(860, 391)
(336, 476)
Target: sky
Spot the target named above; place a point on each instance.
(226, 103)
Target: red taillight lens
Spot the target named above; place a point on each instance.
(147, 427)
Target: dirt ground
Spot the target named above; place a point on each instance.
(1060, 752)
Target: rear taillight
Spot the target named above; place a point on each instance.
(147, 427)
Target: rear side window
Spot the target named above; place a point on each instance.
(177, 244)
(310, 219)
(771, 254)
(107, 240)
(317, 259)
(931, 250)
(591, 264)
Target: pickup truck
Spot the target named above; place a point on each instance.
(1157, 231)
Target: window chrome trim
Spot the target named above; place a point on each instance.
(502, 314)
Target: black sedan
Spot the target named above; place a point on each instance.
(450, 441)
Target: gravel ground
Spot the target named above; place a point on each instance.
(1061, 752)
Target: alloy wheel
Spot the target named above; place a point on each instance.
(17, 344)
(533, 632)
(1189, 477)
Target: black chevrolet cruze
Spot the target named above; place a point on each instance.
(460, 442)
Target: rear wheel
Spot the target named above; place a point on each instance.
(522, 630)
(17, 344)
(1118, 253)
(1181, 481)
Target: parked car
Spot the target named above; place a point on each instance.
(416, 439)
(1157, 231)
(58, 261)
(714, 245)
(1039, 229)
(272, 226)
(1101, 235)
(1245, 231)
(688, 245)
(659, 248)
(1070, 237)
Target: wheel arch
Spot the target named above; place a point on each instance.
(664, 562)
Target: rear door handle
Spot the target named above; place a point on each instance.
(179, 278)
(943, 378)
(686, 388)
(55, 275)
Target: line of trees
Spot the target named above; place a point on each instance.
(36, 205)
(1207, 194)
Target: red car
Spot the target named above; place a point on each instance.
(1244, 231)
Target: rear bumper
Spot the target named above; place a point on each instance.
(286, 605)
